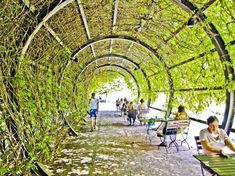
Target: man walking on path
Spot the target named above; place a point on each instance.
(94, 106)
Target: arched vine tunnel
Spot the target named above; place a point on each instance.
(54, 53)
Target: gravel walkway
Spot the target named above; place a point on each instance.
(118, 149)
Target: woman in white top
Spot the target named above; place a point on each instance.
(143, 111)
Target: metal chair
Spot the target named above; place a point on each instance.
(170, 132)
(183, 129)
(151, 131)
(199, 149)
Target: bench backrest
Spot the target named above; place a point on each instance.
(172, 127)
(180, 126)
(184, 123)
(144, 111)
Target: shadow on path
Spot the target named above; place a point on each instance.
(117, 149)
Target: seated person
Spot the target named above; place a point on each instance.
(180, 115)
(215, 139)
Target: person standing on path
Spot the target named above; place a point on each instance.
(143, 111)
(94, 106)
(131, 113)
(118, 104)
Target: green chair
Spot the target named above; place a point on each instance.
(199, 149)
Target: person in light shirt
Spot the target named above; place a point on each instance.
(94, 106)
(143, 111)
(214, 139)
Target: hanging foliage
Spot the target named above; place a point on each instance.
(50, 62)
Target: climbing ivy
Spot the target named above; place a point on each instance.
(45, 87)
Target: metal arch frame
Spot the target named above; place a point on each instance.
(123, 68)
(219, 44)
(106, 71)
(85, 24)
(115, 71)
(120, 57)
(90, 42)
(32, 9)
(140, 43)
(75, 87)
(104, 56)
(143, 22)
(42, 23)
(40, 169)
(114, 22)
(186, 5)
(118, 37)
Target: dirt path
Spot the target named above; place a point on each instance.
(117, 149)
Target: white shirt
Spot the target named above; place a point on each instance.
(143, 110)
(94, 103)
(215, 140)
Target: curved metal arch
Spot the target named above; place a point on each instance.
(104, 56)
(126, 70)
(115, 71)
(220, 47)
(140, 43)
(121, 57)
(118, 37)
(123, 68)
(75, 87)
(119, 72)
(90, 42)
(43, 21)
